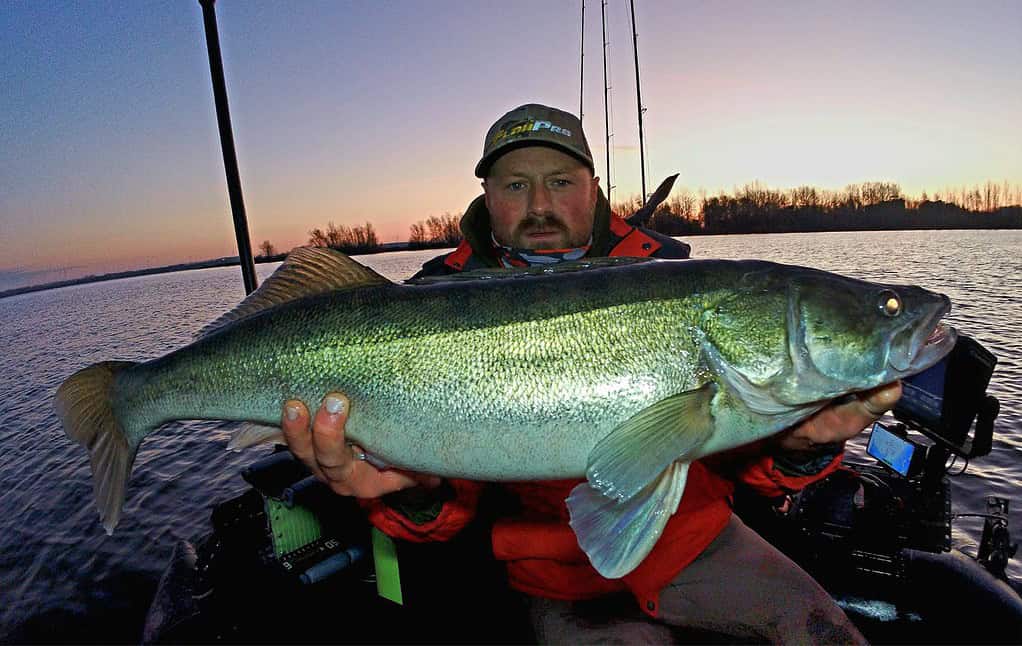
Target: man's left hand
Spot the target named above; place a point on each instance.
(841, 421)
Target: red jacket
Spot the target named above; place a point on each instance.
(542, 554)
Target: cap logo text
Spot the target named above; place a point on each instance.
(523, 127)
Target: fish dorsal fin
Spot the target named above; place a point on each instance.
(307, 271)
(638, 450)
(503, 273)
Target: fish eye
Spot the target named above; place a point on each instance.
(890, 304)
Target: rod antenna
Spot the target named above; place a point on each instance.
(606, 97)
(638, 101)
(582, 62)
(223, 119)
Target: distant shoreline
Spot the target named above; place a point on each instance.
(187, 266)
(219, 262)
(229, 261)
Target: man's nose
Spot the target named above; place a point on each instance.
(539, 199)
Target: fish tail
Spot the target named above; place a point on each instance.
(84, 404)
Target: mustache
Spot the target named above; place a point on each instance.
(533, 222)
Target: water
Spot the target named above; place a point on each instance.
(63, 578)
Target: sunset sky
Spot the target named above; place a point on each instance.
(375, 111)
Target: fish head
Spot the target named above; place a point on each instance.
(790, 336)
(848, 335)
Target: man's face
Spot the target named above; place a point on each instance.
(540, 198)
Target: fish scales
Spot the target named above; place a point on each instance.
(476, 384)
(623, 371)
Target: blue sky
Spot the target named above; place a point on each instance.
(375, 111)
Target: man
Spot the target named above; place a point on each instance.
(542, 204)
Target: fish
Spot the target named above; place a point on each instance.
(621, 371)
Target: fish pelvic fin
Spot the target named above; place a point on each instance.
(84, 404)
(307, 271)
(640, 448)
(250, 434)
(618, 535)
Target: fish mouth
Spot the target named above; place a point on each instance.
(927, 345)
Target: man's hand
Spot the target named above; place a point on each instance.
(841, 421)
(323, 449)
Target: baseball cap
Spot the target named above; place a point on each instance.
(535, 125)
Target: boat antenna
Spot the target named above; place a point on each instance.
(582, 62)
(638, 100)
(223, 118)
(606, 100)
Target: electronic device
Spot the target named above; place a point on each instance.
(943, 401)
(894, 449)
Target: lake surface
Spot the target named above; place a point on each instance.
(62, 578)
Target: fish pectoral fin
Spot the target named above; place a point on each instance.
(307, 271)
(632, 455)
(250, 434)
(618, 535)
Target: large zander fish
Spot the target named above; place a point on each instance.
(621, 370)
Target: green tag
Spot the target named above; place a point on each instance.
(388, 578)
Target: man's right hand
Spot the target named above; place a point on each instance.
(322, 447)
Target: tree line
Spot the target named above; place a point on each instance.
(752, 208)
(755, 208)
(351, 240)
(437, 230)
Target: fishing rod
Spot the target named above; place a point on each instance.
(606, 100)
(223, 118)
(582, 61)
(638, 100)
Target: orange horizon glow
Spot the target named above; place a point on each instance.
(357, 113)
(148, 248)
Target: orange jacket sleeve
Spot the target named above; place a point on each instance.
(454, 514)
(773, 476)
(765, 478)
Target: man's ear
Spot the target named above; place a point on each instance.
(595, 188)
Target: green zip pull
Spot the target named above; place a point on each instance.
(388, 577)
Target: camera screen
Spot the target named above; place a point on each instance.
(945, 399)
(923, 395)
(890, 449)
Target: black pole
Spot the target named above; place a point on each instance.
(606, 101)
(638, 99)
(582, 62)
(223, 118)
